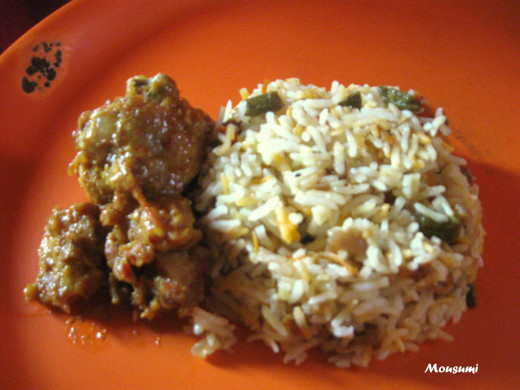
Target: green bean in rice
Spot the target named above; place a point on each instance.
(339, 219)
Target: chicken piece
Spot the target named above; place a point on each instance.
(168, 224)
(174, 281)
(144, 247)
(71, 257)
(160, 227)
(150, 142)
(179, 282)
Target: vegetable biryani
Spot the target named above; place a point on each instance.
(338, 219)
(333, 219)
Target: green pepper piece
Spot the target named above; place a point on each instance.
(402, 100)
(447, 231)
(471, 296)
(353, 100)
(260, 104)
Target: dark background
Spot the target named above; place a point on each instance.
(18, 16)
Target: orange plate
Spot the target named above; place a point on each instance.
(463, 56)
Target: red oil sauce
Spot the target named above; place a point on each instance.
(86, 333)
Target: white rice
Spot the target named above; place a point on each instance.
(312, 216)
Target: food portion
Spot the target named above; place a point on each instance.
(324, 219)
(339, 220)
(151, 141)
(136, 239)
(71, 257)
